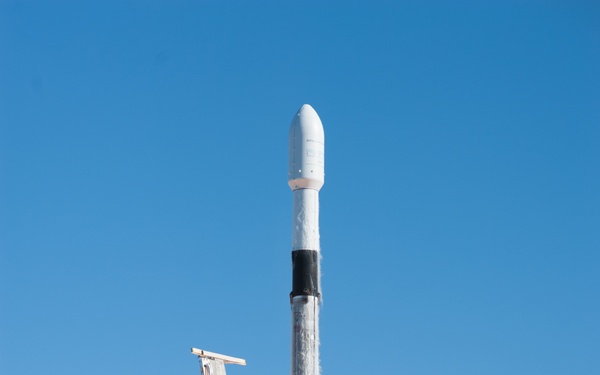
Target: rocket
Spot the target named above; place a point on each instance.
(306, 175)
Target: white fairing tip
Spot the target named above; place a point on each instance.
(306, 149)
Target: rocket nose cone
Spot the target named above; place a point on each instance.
(306, 108)
(306, 167)
(306, 115)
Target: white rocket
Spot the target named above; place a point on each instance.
(306, 175)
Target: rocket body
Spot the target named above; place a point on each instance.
(305, 178)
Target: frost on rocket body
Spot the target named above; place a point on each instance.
(305, 346)
(305, 235)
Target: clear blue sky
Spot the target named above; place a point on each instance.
(144, 206)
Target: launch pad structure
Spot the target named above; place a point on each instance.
(214, 363)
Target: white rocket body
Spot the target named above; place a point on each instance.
(306, 177)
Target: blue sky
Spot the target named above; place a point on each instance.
(144, 206)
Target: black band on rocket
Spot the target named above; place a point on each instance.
(305, 279)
